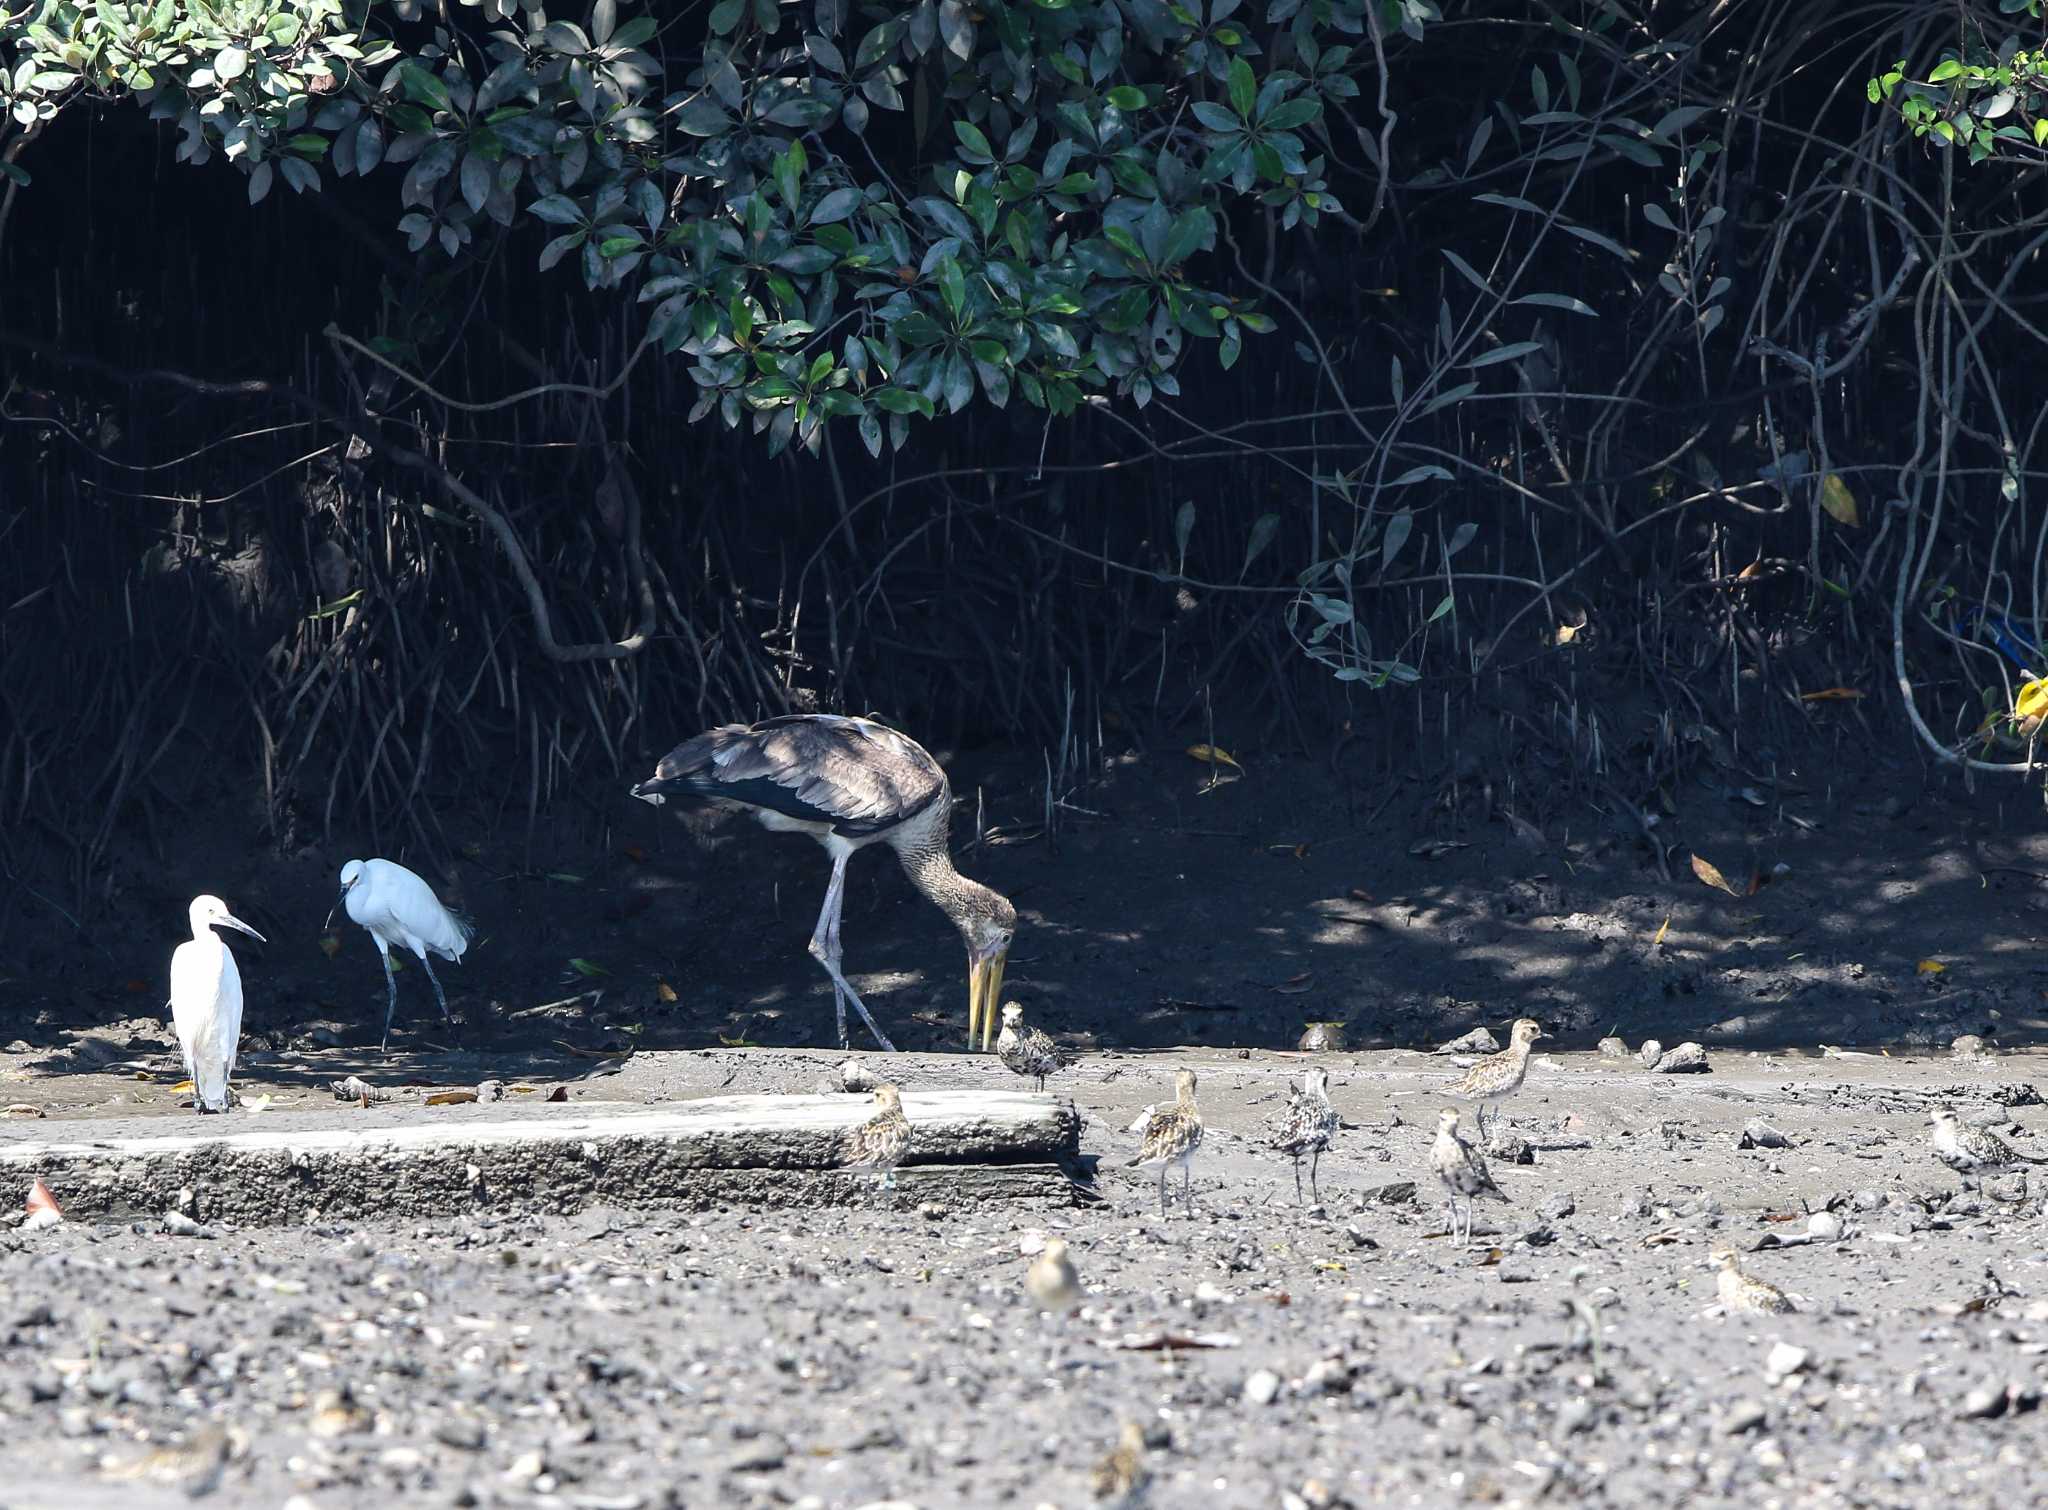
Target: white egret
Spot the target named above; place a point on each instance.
(206, 1001)
(397, 907)
(849, 783)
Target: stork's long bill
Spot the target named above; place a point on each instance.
(984, 991)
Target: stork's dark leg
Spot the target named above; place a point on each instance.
(439, 996)
(825, 950)
(391, 987)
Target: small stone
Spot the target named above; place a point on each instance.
(1650, 1053)
(1743, 1415)
(856, 1077)
(1983, 1401)
(1867, 1200)
(463, 1433)
(1686, 1059)
(1613, 1048)
(1478, 1041)
(1786, 1360)
(1558, 1207)
(1262, 1387)
(1824, 1227)
(1757, 1133)
(527, 1467)
(1330, 1375)
(764, 1454)
(931, 1211)
(401, 1459)
(1506, 1146)
(1573, 1416)
(1967, 1046)
(1323, 1038)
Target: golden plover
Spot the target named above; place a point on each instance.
(881, 1142)
(1745, 1292)
(1498, 1076)
(1308, 1127)
(1121, 1475)
(1972, 1150)
(1172, 1134)
(1462, 1170)
(1052, 1281)
(1027, 1051)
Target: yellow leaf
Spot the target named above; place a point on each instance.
(1662, 929)
(1213, 756)
(2031, 701)
(1930, 967)
(665, 991)
(1705, 870)
(1566, 633)
(1839, 502)
(183, 1087)
(1831, 695)
(451, 1098)
(330, 945)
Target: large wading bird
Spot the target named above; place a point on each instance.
(206, 1001)
(849, 783)
(399, 907)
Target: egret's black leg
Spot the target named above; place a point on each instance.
(391, 988)
(438, 996)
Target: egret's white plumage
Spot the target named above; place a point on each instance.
(397, 907)
(206, 1001)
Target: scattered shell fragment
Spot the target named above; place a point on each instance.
(1650, 1052)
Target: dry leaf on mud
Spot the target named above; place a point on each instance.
(1831, 695)
(451, 1098)
(1213, 756)
(41, 1206)
(665, 991)
(330, 944)
(1930, 967)
(1708, 872)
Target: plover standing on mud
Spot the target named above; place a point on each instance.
(1971, 1150)
(1462, 1170)
(1027, 1051)
(1172, 1134)
(1052, 1281)
(1121, 1477)
(1744, 1292)
(880, 1142)
(1498, 1076)
(1308, 1127)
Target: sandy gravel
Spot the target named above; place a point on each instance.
(610, 1359)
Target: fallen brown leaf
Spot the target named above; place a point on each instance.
(1831, 695)
(40, 1199)
(1708, 872)
(451, 1098)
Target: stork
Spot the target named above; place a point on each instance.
(849, 783)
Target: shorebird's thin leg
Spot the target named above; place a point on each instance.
(1162, 1190)
(1187, 1187)
(1297, 1179)
(435, 981)
(1314, 1159)
(825, 950)
(391, 987)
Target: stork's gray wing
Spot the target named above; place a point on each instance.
(854, 775)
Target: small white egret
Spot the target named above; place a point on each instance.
(206, 1002)
(399, 908)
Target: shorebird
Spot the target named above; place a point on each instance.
(1052, 1281)
(206, 1001)
(1498, 1076)
(1310, 1124)
(1027, 1051)
(1744, 1292)
(1971, 1150)
(880, 1142)
(1172, 1134)
(1462, 1170)
(849, 783)
(1121, 1475)
(398, 907)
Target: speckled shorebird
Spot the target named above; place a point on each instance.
(1745, 1292)
(1462, 1170)
(1972, 1150)
(880, 1142)
(849, 783)
(1498, 1076)
(1052, 1281)
(1172, 1134)
(1027, 1051)
(1308, 1127)
(1121, 1475)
